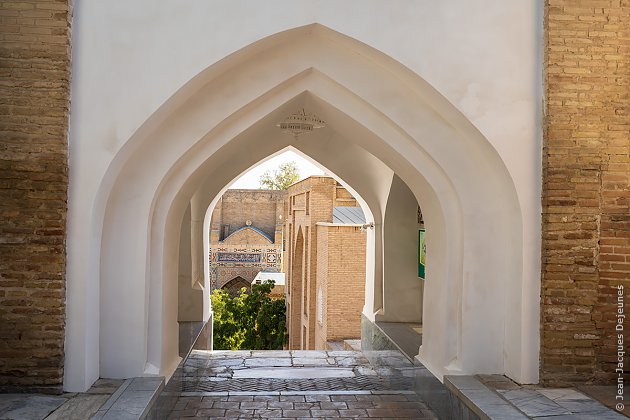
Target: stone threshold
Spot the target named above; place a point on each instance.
(481, 400)
(67, 406)
(497, 397)
(132, 401)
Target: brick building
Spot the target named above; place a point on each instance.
(326, 263)
(246, 237)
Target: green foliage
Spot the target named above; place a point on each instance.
(248, 321)
(280, 179)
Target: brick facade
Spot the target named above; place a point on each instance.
(309, 201)
(586, 194)
(34, 109)
(236, 207)
(246, 222)
(313, 265)
(340, 283)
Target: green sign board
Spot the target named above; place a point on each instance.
(422, 253)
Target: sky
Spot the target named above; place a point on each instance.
(250, 179)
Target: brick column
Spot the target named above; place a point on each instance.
(586, 166)
(34, 109)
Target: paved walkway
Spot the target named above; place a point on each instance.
(67, 406)
(297, 384)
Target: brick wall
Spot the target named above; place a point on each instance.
(341, 277)
(266, 211)
(586, 169)
(261, 207)
(321, 284)
(34, 102)
(321, 192)
(294, 279)
(321, 210)
(344, 198)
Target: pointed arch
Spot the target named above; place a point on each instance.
(377, 109)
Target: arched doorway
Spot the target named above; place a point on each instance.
(476, 250)
(234, 286)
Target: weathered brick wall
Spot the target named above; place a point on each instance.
(34, 106)
(586, 195)
(261, 207)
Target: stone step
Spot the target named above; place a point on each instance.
(132, 401)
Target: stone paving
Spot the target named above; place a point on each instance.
(536, 402)
(298, 384)
(309, 405)
(306, 384)
(67, 406)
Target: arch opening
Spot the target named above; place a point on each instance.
(377, 111)
(302, 298)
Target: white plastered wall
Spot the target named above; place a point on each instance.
(127, 135)
(402, 296)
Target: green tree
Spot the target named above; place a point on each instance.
(248, 321)
(280, 179)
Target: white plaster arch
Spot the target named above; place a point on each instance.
(406, 124)
(214, 183)
(333, 155)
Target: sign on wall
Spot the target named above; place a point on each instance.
(422, 253)
(238, 257)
